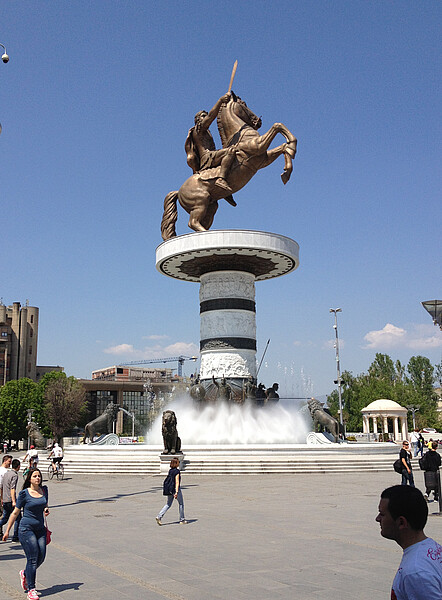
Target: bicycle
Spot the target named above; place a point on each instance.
(59, 471)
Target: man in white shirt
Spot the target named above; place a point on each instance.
(57, 455)
(414, 439)
(403, 513)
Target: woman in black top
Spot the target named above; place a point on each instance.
(175, 477)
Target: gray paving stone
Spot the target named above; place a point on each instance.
(260, 536)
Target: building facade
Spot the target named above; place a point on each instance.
(18, 342)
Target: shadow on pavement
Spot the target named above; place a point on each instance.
(55, 589)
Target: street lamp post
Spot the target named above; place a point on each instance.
(413, 410)
(5, 59)
(338, 367)
(434, 308)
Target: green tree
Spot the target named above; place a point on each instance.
(421, 393)
(412, 386)
(16, 398)
(65, 401)
(438, 373)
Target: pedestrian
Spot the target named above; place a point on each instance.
(431, 463)
(421, 444)
(6, 463)
(172, 489)
(403, 513)
(407, 472)
(414, 439)
(8, 491)
(33, 499)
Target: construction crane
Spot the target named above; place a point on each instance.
(179, 359)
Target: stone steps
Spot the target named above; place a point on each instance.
(234, 460)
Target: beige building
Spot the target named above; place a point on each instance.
(18, 343)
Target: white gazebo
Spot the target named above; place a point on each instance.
(383, 410)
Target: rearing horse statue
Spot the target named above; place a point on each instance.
(238, 127)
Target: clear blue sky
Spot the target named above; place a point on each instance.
(96, 102)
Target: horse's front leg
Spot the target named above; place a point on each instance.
(274, 153)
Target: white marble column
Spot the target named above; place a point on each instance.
(375, 424)
(395, 428)
(365, 424)
(227, 325)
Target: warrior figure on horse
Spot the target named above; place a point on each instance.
(219, 173)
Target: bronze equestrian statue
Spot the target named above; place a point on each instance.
(219, 173)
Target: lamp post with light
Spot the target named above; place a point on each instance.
(338, 366)
(5, 59)
(434, 308)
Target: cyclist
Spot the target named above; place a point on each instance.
(57, 456)
(32, 456)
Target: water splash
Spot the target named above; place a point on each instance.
(284, 422)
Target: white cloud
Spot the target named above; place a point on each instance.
(155, 337)
(153, 352)
(120, 349)
(181, 348)
(420, 337)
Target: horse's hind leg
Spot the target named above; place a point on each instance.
(207, 220)
(202, 213)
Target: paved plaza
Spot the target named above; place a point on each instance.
(256, 537)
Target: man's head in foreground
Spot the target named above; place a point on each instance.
(403, 513)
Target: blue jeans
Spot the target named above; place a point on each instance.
(7, 510)
(34, 545)
(407, 478)
(169, 504)
(414, 445)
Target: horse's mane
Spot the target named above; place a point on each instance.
(222, 133)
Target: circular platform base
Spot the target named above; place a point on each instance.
(265, 255)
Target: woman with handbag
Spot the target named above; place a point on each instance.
(33, 499)
(172, 489)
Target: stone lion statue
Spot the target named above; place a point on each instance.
(172, 443)
(102, 424)
(323, 419)
(35, 435)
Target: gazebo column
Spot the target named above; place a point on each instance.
(375, 424)
(365, 424)
(395, 428)
(385, 424)
(404, 428)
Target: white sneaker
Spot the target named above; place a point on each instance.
(32, 595)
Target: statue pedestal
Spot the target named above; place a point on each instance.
(165, 462)
(227, 263)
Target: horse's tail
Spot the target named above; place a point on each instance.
(170, 215)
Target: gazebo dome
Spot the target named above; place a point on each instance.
(383, 405)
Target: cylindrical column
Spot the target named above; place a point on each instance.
(375, 424)
(365, 424)
(395, 428)
(228, 325)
